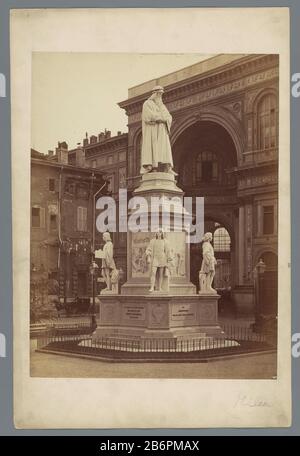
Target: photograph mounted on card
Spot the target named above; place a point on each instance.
(151, 222)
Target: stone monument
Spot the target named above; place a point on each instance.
(158, 301)
(156, 126)
(108, 268)
(159, 256)
(207, 272)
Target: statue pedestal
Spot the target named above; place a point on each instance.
(158, 316)
(163, 186)
(158, 184)
(176, 313)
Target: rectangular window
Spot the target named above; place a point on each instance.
(51, 185)
(53, 222)
(94, 163)
(101, 162)
(199, 170)
(268, 220)
(82, 281)
(36, 217)
(111, 182)
(214, 170)
(122, 156)
(207, 171)
(81, 218)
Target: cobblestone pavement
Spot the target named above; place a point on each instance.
(250, 367)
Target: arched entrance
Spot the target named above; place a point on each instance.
(204, 158)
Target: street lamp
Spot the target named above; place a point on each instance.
(93, 270)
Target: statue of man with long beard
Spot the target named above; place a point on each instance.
(156, 125)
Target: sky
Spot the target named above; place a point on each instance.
(75, 93)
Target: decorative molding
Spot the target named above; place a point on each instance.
(249, 99)
(223, 200)
(235, 108)
(158, 314)
(255, 181)
(204, 96)
(112, 145)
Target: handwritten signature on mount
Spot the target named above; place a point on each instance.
(248, 401)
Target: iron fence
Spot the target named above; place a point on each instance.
(61, 327)
(233, 339)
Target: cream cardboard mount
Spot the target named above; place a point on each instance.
(108, 401)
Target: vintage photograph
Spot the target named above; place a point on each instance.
(151, 217)
(154, 215)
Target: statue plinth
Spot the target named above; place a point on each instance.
(175, 312)
(158, 316)
(158, 184)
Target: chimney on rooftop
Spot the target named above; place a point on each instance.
(50, 153)
(101, 136)
(85, 141)
(119, 133)
(80, 156)
(62, 152)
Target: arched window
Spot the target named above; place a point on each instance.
(221, 240)
(270, 260)
(207, 167)
(221, 243)
(267, 122)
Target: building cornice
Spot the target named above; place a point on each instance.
(65, 167)
(244, 67)
(109, 145)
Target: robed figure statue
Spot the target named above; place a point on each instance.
(156, 125)
(207, 272)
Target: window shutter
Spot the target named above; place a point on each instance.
(215, 170)
(84, 219)
(79, 218)
(42, 217)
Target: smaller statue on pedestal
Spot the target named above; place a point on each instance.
(207, 272)
(109, 270)
(158, 255)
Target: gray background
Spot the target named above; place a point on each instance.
(6, 389)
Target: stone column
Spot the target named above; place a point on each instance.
(249, 234)
(259, 219)
(241, 249)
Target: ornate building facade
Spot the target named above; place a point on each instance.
(109, 155)
(225, 147)
(62, 212)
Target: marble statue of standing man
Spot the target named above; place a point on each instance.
(156, 124)
(108, 262)
(207, 272)
(158, 254)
